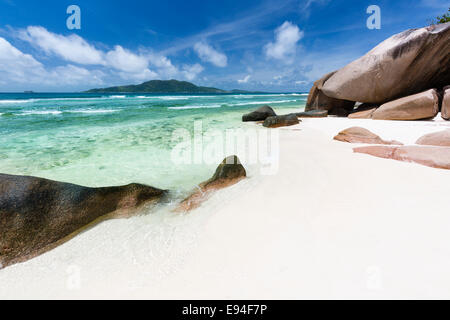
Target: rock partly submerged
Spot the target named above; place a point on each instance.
(281, 121)
(441, 138)
(230, 171)
(259, 114)
(431, 156)
(424, 105)
(361, 135)
(407, 63)
(37, 214)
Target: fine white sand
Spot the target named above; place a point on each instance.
(329, 224)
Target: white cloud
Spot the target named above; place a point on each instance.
(163, 65)
(190, 72)
(285, 45)
(87, 65)
(73, 75)
(124, 60)
(15, 66)
(143, 75)
(245, 80)
(209, 54)
(22, 68)
(71, 48)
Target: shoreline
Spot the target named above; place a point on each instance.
(329, 224)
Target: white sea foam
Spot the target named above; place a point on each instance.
(261, 102)
(93, 111)
(16, 101)
(43, 112)
(196, 107)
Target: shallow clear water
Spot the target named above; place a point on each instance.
(100, 140)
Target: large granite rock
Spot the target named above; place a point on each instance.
(362, 114)
(445, 110)
(423, 105)
(229, 172)
(312, 114)
(431, 156)
(259, 114)
(281, 121)
(361, 135)
(441, 138)
(317, 100)
(406, 63)
(38, 214)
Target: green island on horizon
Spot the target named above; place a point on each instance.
(165, 86)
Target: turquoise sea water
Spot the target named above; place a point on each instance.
(100, 140)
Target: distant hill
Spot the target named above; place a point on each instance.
(162, 86)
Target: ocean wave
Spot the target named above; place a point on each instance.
(16, 101)
(196, 107)
(43, 112)
(91, 111)
(261, 102)
(117, 97)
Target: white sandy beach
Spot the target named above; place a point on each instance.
(329, 224)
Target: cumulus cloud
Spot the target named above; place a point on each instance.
(16, 66)
(285, 44)
(124, 60)
(245, 80)
(87, 65)
(209, 54)
(72, 48)
(23, 68)
(190, 72)
(15, 63)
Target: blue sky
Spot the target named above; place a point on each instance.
(281, 45)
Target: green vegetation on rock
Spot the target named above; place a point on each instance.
(442, 19)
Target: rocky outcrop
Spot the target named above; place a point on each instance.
(419, 106)
(361, 135)
(441, 138)
(259, 114)
(445, 110)
(38, 214)
(281, 121)
(363, 111)
(317, 100)
(312, 114)
(407, 63)
(364, 114)
(229, 172)
(431, 156)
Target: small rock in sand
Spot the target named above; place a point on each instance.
(441, 138)
(361, 135)
(431, 156)
(281, 121)
(229, 172)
